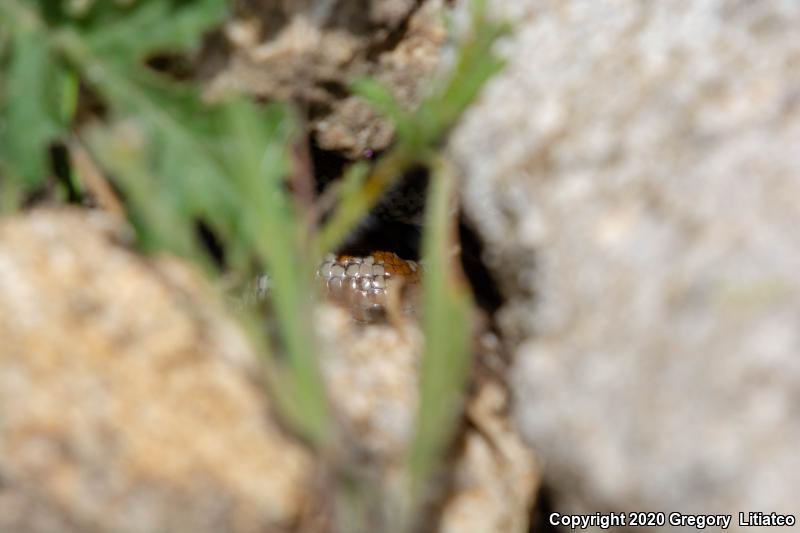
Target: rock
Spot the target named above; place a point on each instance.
(127, 399)
(633, 173)
(495, 475)
(310, 52)
(352, 126)
(372, 372)
(129, 402)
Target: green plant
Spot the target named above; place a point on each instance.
(182, 162)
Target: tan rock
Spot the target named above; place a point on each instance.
(127, 398)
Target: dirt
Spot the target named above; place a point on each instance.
(310, 54)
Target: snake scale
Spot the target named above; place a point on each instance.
(375, 268)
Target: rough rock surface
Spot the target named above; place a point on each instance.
(634, 173)
(372, 373)
(310, 52)
(495, 475)
(127, 399)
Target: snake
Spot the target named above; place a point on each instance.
(370, 281)
(369, 285)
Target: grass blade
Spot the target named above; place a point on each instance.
(447, 305)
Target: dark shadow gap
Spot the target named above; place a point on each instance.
(540, 514)
(211, 243)
(484, 287)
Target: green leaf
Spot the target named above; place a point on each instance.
(258, 165)
(156, 26)
(10, 193)
(70, 92)
(30, 117)
(227, 169)
(162, 223)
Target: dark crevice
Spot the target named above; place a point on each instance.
(59, 161)
(393, 37)
(336, 89)
(540, 514)
(405, 200)
(211, 243)
(484, 287)
(372, 234)
(175, 66)
(90, 105)
(272, 16)
(376, 232)
(395, 225)
(328, 165)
